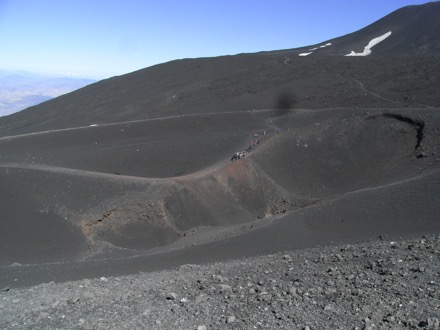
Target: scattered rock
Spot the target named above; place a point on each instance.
(230, 319)
(88, 295)
(362, 285)
(171, 296)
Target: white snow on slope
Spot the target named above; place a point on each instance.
(313, 49)
(373, 42)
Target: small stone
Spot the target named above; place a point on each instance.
(219, 278)
(73, 300)
(287, 258)
(230, 319)
(390, 319)
(225, 288)
(201, 327)
(292, 290)
(171, 296)
(328, 308)
(433, 323)
(87, 295)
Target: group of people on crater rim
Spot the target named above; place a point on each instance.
(252, 146)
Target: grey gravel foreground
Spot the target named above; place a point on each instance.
(382, 284)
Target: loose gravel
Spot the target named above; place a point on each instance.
(380, 284)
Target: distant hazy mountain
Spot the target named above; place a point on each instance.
(20, 89)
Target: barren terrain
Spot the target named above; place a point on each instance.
(265, 190)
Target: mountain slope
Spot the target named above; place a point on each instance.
(278, 79)
(414, 32)
(136, 172)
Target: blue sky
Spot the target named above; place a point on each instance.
(102, 38)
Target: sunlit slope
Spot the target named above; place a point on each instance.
(239, 83)
(400, 71)
(303, 159)
(158, 148)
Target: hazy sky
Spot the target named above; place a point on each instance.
(102, 38)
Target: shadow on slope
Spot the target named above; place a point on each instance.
(341, 151)
(237, 83)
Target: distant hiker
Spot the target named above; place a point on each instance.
(236, 156)
(243, 153)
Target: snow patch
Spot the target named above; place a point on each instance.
(326, 45)
(373, 42)
(311, 50)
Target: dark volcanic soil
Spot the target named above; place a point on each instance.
(380, 284)
(274, 80)
(166, 188)
(133, 174)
